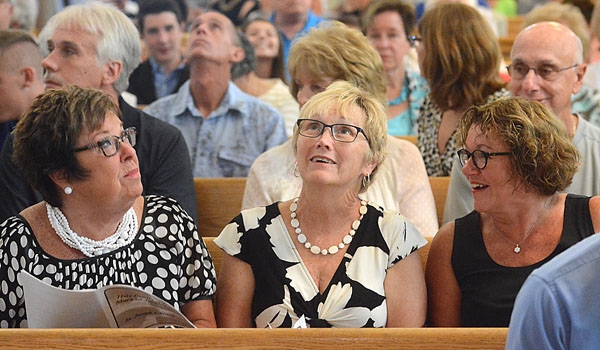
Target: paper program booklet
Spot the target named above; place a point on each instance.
(114, 306)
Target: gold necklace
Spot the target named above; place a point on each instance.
(517, 248)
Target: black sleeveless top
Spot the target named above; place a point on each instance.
(489, 289)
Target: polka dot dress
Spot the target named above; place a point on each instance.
(168, 259)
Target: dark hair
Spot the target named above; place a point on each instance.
(10, 37)
(248, 64)
(46, 135)
(405, 10)
(543, 155)
(278, 67)
(153, 7)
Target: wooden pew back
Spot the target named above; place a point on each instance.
(220, 200)
(312, 338)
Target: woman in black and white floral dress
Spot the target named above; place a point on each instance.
(460, 59)
(326, 257)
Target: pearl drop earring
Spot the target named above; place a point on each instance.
(68, 190)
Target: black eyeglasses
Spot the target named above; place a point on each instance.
(549, 73)
(480, 158)
(111, 145)
(415, 41)
(340, 132)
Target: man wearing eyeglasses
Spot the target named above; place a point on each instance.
(97, 46)
(547, 66)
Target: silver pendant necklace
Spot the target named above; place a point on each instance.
(517, 248)
(124, 235)
(334, 248)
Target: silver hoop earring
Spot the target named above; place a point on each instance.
(296, 171)
(68, 190)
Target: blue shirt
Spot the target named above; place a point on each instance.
(414, 90)
(165, 84)
(226, 142)
(312, 21)
(558, 307)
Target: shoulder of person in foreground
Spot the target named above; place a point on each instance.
(552, 309)
(164, 159)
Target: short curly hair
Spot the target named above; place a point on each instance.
(46, 135)
(543, 155)
(343, 97)
(333, 50)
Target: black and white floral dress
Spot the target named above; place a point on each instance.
(167, 258)
(284, 288)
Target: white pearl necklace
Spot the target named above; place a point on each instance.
(334, 248)
(125, 233)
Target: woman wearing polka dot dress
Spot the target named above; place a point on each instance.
(94, 228)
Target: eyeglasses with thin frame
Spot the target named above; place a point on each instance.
(340, 132)
(415, 41)
(112, 144)
(480, 158)
(546, 72)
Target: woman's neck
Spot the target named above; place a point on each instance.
(264, 67)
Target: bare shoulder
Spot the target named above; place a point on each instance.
(595, 212)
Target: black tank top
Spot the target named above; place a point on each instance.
(488, 289)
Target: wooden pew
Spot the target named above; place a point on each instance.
(315, 338)
(220, 200)
(439, 187)
(217, 254)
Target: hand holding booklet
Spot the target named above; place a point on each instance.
(113, 306)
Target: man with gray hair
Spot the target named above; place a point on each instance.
(547, 66)
(95, 45)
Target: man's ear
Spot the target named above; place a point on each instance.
(580, 72)
(27, 76)
(238, 54)
(112, 73)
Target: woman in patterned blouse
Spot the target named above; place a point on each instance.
(460, 59)
(94, 228)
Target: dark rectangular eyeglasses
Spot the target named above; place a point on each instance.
(112, 144)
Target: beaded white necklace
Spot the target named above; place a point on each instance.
(125, 233)
(334, 248)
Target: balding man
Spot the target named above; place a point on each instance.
(546, 66)
(21, 77)
(225, 129)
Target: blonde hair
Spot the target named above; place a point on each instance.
(343, 97)
(333, 50)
